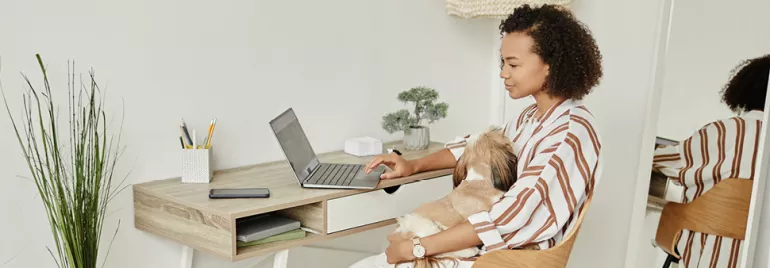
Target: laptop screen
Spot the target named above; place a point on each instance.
(294, 144)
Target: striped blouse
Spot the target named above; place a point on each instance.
(558, 165)
(720, 150)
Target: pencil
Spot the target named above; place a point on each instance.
(211, 133)
(208, 136)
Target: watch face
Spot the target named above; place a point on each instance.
(418, 251)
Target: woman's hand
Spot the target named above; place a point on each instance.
(399, 166)
(399, 251)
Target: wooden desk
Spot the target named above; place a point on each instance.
(656, 195)
(184, 213)
(660, 191)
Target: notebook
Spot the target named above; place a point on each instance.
(290, 235)
(264, 225)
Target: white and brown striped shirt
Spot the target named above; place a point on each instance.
(558, 166)
(720, 150)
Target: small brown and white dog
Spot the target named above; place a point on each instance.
(486, 170)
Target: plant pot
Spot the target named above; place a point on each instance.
(417, 138)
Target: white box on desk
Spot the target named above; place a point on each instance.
(196, 166)
(363, 146)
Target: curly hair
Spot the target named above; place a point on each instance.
(562, 42)
(747, 88)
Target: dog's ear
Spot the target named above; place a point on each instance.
(461, 170)
(504, 164)
(513, 163)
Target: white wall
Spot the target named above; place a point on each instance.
(340, 64)
(702, 53)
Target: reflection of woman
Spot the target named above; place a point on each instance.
(720, 150)
(549, 55)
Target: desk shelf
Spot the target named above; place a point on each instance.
(183, 212)
(258, 250)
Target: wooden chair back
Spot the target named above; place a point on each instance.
(556, 256)
(723, 210)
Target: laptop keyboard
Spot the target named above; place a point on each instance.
(335, 174)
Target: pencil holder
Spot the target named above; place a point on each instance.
(196, 166)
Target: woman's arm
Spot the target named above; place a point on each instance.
(668, 161)
(446, 158)
(438, 160)
(400, 167)
(459, 237)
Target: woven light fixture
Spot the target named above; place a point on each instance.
(492, 8)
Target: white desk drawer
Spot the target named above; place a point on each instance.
(370, 207)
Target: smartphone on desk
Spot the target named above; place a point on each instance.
(239, 193)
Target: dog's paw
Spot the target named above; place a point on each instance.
(418, 225)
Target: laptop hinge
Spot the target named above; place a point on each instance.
(310, 173)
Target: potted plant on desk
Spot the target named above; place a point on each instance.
(416, 134)
(71, 167)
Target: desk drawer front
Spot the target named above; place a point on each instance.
(370, 207)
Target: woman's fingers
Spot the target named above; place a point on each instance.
(389, 175)
(376, 161)
(393, 161)
(372, 163)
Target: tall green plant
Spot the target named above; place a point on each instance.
(75, 183)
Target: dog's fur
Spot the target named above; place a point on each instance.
(486, 170)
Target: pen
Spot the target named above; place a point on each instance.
(194, 140)
(181, 136)
(181, 141)
(186, 133)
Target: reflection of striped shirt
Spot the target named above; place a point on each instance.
(558, 164)
(720, 150)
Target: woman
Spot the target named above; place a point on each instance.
(549, 55)
(720, 150)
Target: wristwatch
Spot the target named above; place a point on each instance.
(418, 250)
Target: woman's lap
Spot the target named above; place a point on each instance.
(380, 261)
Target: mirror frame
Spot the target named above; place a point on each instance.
(757, 191)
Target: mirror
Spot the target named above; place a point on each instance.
(701, 141)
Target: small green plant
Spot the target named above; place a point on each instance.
(425, 108)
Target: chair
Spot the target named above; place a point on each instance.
(723, 210)
(556, 256)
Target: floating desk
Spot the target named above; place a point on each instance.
(184, 213)
(656, 195)
(662, 190)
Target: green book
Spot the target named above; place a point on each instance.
(293, 234)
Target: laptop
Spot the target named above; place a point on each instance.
(311, 173)
(664, 141)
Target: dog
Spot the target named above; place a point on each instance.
(485, 171)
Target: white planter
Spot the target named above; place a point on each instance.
(417, 138)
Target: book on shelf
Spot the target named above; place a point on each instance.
(264, 225)
(290, 235)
